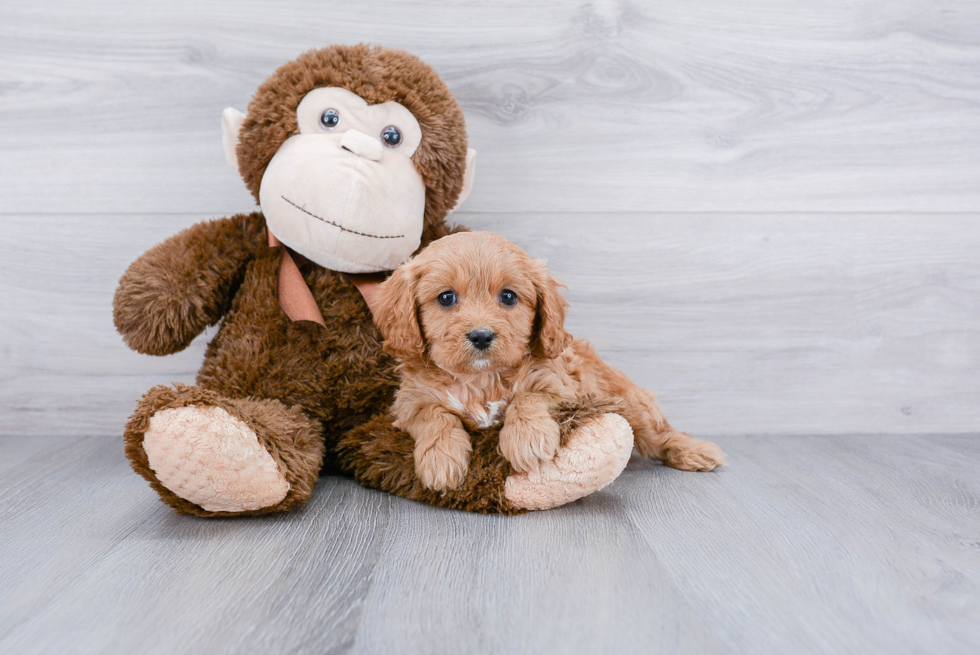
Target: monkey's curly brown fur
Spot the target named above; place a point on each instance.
(301, 387)
(313, 395)
(325, 381)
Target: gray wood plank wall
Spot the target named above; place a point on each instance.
(766, 212)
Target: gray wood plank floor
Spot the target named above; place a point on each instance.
(801, 545)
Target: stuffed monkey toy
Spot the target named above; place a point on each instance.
(355, 155)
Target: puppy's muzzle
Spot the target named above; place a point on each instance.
(481, 339)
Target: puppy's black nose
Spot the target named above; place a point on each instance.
(481, 338)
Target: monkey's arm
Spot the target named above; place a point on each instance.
(180, 286)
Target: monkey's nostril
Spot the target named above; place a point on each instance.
(481, 339)
(362, 145)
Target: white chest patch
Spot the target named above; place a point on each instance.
(492, 415)
(484, 417)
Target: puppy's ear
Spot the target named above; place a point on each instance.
(549, 338)
(396, 315)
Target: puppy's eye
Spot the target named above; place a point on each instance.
(508, 297)
(447, 298)
(329, 118)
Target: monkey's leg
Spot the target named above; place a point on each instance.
(595, 448)
(214, 456)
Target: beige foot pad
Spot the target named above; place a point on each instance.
(210, 458)
(594, 456)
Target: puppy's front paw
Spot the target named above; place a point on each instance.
(444, 464)
(528, 442)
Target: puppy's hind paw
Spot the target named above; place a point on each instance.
(444, 465)
(693, 455)
(527, 443)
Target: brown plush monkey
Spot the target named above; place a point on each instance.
(356, 155)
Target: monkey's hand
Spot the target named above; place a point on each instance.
(180, 286)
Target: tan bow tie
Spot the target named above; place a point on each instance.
(295, 296)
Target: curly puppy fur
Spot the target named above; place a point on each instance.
(477, 325)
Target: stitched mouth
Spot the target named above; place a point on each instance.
(338, 225)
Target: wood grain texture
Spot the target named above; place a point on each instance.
(110, 106)
(765, 212)
(801, 544)
(587, 117)
(742, 324)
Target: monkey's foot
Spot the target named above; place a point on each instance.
(595, 454)
(208, 457)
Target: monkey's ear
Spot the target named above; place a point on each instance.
(231, 124)
(467, 178)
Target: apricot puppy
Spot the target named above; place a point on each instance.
(477, 327)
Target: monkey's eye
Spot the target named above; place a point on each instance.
(391, 136)
(447, 298)
(508, 297)
(329, 118)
